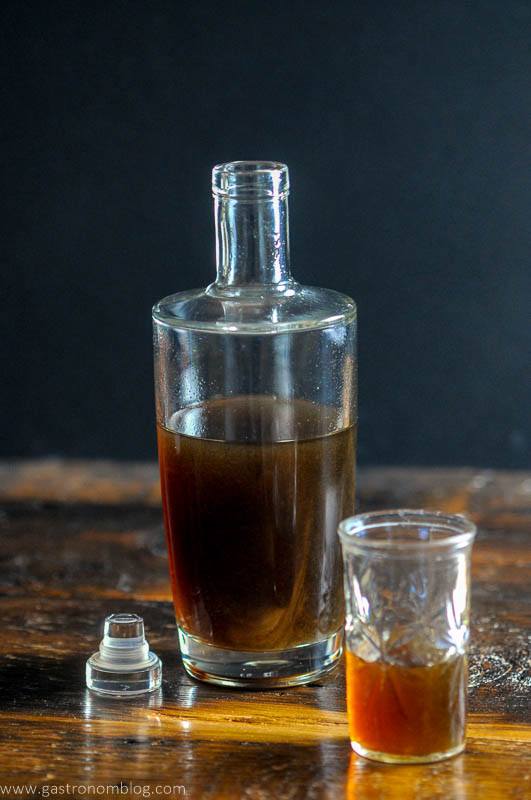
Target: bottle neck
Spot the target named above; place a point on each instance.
(252, 242)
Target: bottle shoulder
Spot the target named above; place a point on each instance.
(255, 309)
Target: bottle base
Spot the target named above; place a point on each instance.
(390, 758)
(259, 670)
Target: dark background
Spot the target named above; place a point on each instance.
(406, 129)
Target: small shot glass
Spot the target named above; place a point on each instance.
(407, 595)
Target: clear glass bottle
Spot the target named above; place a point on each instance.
(255, 380)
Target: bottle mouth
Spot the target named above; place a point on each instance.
(250, 180)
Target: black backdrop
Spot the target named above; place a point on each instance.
(406, 129)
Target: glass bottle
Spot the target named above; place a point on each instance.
(255, 382)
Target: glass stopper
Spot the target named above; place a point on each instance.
(124, 666)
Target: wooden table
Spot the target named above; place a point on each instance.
(81, 540)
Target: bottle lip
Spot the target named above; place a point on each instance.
(244, 180)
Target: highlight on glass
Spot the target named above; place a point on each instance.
(407, 595)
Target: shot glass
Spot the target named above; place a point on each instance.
(407, 595)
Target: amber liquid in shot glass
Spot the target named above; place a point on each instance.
(407, 597)
(406, 710)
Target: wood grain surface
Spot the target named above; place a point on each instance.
(84, 539)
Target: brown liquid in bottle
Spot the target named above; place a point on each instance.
(253, 490)
(406, 710)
